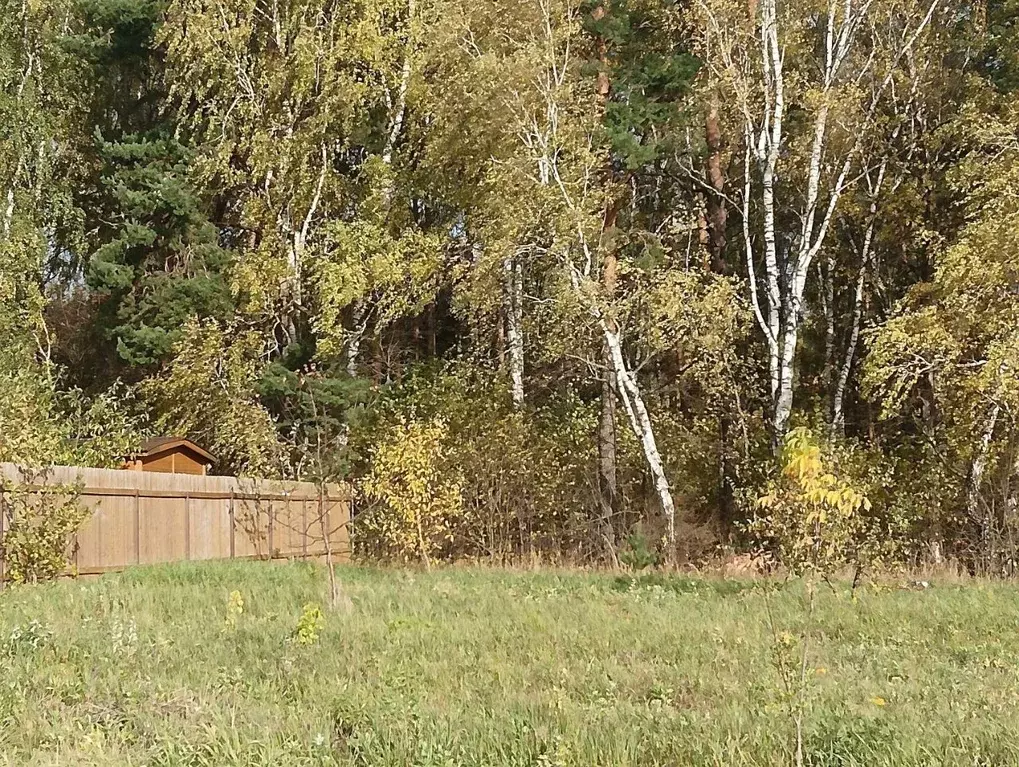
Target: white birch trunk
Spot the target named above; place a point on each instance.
(838, 417)
(778, 308)
(19, 166)
(828, 309)
(787, 374)
(513, 309)
(400, 106)
(543, 141)
(976, 475)
(636, 411)
(640, 422)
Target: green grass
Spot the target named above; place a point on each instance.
(481, 667)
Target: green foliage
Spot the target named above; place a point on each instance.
(309, 625)
(27, 639)
(638, 554)
(400, 274)
(316, 409)
(523, 477)
(38, 529)
(649, 76)
(314, 237)
(209, 394)
(156, 262)
(44, 424)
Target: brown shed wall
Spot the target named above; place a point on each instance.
(177, 461)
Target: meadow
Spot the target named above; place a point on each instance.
(163, 667)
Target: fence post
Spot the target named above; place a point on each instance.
(137, 528)
(304, 528)
(270, 528)
(187, 526)
(232, 547)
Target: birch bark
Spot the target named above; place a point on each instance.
(513, 290)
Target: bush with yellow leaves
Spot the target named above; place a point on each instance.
(810, 517)
(416, 493)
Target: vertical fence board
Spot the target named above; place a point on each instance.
(187, 526)
(137, 528)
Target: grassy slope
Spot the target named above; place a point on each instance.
(494, 668)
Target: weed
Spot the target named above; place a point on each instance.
(309, 625)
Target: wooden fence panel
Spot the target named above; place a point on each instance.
(163, 532)
(210, 528)
(149, 517)
(251, 521)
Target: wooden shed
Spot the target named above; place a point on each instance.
(170, 455)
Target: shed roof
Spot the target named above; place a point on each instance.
(158, 445)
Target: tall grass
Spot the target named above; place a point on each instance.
(482, 667)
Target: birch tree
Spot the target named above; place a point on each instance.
(794, 177)
(556, 130)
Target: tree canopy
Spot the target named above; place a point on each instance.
(549, 277)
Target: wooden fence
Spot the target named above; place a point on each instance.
(149, 517)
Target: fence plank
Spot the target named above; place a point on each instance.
(187, 527)
(137, 528)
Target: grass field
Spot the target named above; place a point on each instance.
(478, 667)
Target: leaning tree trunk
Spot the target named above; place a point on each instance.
(640, 422)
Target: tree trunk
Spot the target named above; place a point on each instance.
(607, 484)
(828, 307)
(838, 419)
(633, 402)
(399, 107)
(359, 322)
(607, 426)
(973, 500)
(513, 303)
(717, 214)
(786, 381)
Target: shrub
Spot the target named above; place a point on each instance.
(637, 553)
(809, 517)
(417, 492)
(39, 526)
(309, 625)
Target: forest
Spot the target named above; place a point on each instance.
(563, 280)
